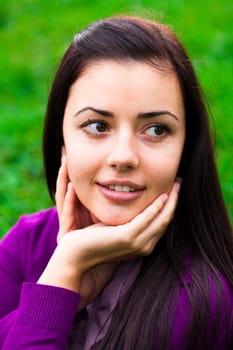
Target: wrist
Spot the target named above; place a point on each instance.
(60, 273)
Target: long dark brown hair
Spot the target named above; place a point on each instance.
(199, 239)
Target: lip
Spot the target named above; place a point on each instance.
(120, 196)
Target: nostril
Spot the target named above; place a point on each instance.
(123, 166)
(123, 160)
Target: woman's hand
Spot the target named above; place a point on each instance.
(74, 216)
(86, 258)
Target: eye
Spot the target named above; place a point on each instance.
(95, 126)
(157, 130)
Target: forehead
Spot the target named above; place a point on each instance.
(107, 67)
(136, 84)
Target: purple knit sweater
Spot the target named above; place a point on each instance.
(39, 317)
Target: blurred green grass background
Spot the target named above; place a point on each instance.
(34, 35)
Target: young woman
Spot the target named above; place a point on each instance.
(138, 253)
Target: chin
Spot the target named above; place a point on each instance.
(114, 221)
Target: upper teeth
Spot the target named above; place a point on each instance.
(121, 188)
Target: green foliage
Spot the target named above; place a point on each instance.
(34, 35)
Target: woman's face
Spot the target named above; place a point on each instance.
(124, 132)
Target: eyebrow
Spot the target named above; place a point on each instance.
(99, 111)
(145, 115)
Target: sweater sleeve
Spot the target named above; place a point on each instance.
(32, 316)
(43, 319)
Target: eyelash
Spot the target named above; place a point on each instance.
(93, 121)
(165, 128)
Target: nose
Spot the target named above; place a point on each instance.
(123, 153)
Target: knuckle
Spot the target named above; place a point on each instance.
(166, 221)
(126, 240)
(147, 249)
(139, 248)
(136, 246)
(130, 243)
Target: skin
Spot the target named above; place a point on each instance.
(101, 227)
(133, 145)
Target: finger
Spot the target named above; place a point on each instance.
(166, 215)
(149, 226)
(142, 220)
(159, 224)
(67, 217)
(61, 185)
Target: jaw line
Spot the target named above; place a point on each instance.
(94, 219)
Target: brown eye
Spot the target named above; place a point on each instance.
(95, 127)
(101, 127)
(157, 130)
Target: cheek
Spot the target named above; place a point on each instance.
(73, 162)
(76, 169)
(77, 157)
(81, 167)
(163, 171)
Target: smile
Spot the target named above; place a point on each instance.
(120, 191)
(121, 188)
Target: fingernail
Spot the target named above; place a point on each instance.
(164, 197)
